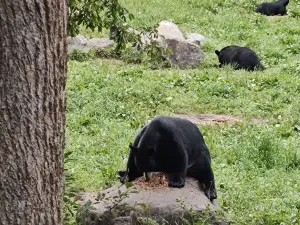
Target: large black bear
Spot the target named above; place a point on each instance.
(239, 58)
(174, 146)
(273, 8)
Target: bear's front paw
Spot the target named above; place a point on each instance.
(176, 184)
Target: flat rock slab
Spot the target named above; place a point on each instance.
(84, 44)
(139, 205)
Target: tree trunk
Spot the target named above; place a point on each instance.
(32, 111)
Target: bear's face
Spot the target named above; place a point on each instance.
(144, 158)
(220, 56)
(226, 54)
(132, 175)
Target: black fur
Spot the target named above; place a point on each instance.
(273, 8)
(239, 58)
(174, 146)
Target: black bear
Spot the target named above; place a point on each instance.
(273, 8)
(239, 58)
(174, 146)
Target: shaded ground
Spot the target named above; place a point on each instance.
(211, 119)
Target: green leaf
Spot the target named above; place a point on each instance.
(128, 184)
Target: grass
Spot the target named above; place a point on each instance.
(257, 166)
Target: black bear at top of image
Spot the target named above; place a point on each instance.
(239, 58)
(174, 146)
(273, 8)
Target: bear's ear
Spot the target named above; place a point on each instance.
(217, 52)
(133, 148)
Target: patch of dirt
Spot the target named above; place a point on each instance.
(212, 119)
(259, 121)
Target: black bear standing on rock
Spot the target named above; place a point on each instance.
(174, 146)
(239, 58)
(273, 8)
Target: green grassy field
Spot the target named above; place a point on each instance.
(257, 166)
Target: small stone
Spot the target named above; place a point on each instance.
(197, 39)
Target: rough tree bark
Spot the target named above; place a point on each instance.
(32, 110)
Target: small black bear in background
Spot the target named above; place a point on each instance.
(273, 8)
(174, 146)
(239, 58)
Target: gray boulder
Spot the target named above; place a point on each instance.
(140, 205)
(169, 30)
(184, 54)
